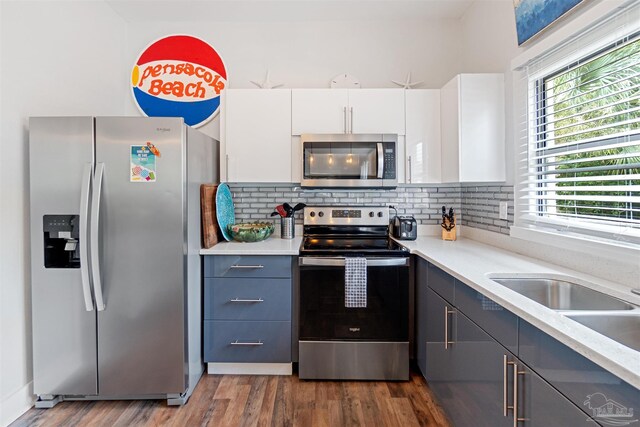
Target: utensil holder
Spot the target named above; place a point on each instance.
(287, 227)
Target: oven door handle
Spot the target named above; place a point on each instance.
(339, 261)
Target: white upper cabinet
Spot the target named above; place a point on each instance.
(423, 154)
(347, 111)
(255, 131)
(376, 111)
(473, 128)
(319, 111)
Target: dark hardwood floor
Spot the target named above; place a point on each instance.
(235, 400)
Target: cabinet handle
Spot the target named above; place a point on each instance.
(236, 342)
(226, 165)
(516, 374)
(351, 121)
(505, 401)
(409, 174)
(247, 266)
(246, 300)
(344, 112)
(447, 312)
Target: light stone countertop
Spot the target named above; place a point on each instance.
(471, 262)
(274, 245)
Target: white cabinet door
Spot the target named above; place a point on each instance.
(482, 128)
(347, 111)
(423, 136)
(376, 111)
(450, 141)
(319, 111)
(473, 128)
(256, 135)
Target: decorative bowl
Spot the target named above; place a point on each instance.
(250, 231)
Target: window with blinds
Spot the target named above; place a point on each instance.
(583, 144)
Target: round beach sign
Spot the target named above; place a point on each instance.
(179, 76)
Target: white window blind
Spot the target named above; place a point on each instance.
(580, 134)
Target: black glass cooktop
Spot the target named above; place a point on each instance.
(336, 245)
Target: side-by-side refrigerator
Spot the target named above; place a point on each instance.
(115, 265)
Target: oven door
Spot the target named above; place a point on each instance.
(322, 311)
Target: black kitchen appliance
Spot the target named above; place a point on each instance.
(404, 228)
(339, 341)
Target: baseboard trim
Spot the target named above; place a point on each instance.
(250, 368)
(16, 404)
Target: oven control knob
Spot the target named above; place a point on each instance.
(320, 214)
(379, 214)
(371, 214)
(312, 214)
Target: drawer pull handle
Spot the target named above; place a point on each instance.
(505, 404)
(516, 374)
(447, 312)
(246, 300)
(236, 342)
(247, 266)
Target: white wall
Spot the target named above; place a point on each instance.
(310, 54)
(74, 58)
(57, 58)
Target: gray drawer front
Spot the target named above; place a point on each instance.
(572, 374)
(498, 322)
(442, 283)
(247, 266)
(238, 299)
(274, 336)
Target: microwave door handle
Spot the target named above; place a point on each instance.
(380, 160)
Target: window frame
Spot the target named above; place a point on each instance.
(537, 127)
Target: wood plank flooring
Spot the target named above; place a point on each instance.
(236, 400)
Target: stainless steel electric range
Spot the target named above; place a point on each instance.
(354, 298)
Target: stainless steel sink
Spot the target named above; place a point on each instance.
(624, 328)
(562, 294)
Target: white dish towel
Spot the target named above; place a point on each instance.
(355, 282)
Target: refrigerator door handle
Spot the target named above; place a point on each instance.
(95, 218)
(84, 237)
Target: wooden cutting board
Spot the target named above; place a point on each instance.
(211, 233)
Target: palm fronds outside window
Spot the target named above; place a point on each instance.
(585, 147)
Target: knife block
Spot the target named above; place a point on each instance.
(450, 235)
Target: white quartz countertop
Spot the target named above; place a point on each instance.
(274, 245)
(472, 263)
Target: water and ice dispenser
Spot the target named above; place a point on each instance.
(61, 236)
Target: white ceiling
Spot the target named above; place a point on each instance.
(288, 10)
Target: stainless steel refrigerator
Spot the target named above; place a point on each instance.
(115, 265)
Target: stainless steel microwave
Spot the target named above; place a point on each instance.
(349, 160)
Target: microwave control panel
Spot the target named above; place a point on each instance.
(389, 160)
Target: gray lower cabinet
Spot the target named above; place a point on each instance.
(247, 309)
(421, 314)
(467, 373)
(476, 377)
(541, 405)
(586, 384)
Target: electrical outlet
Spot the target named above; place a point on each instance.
(503, 210)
